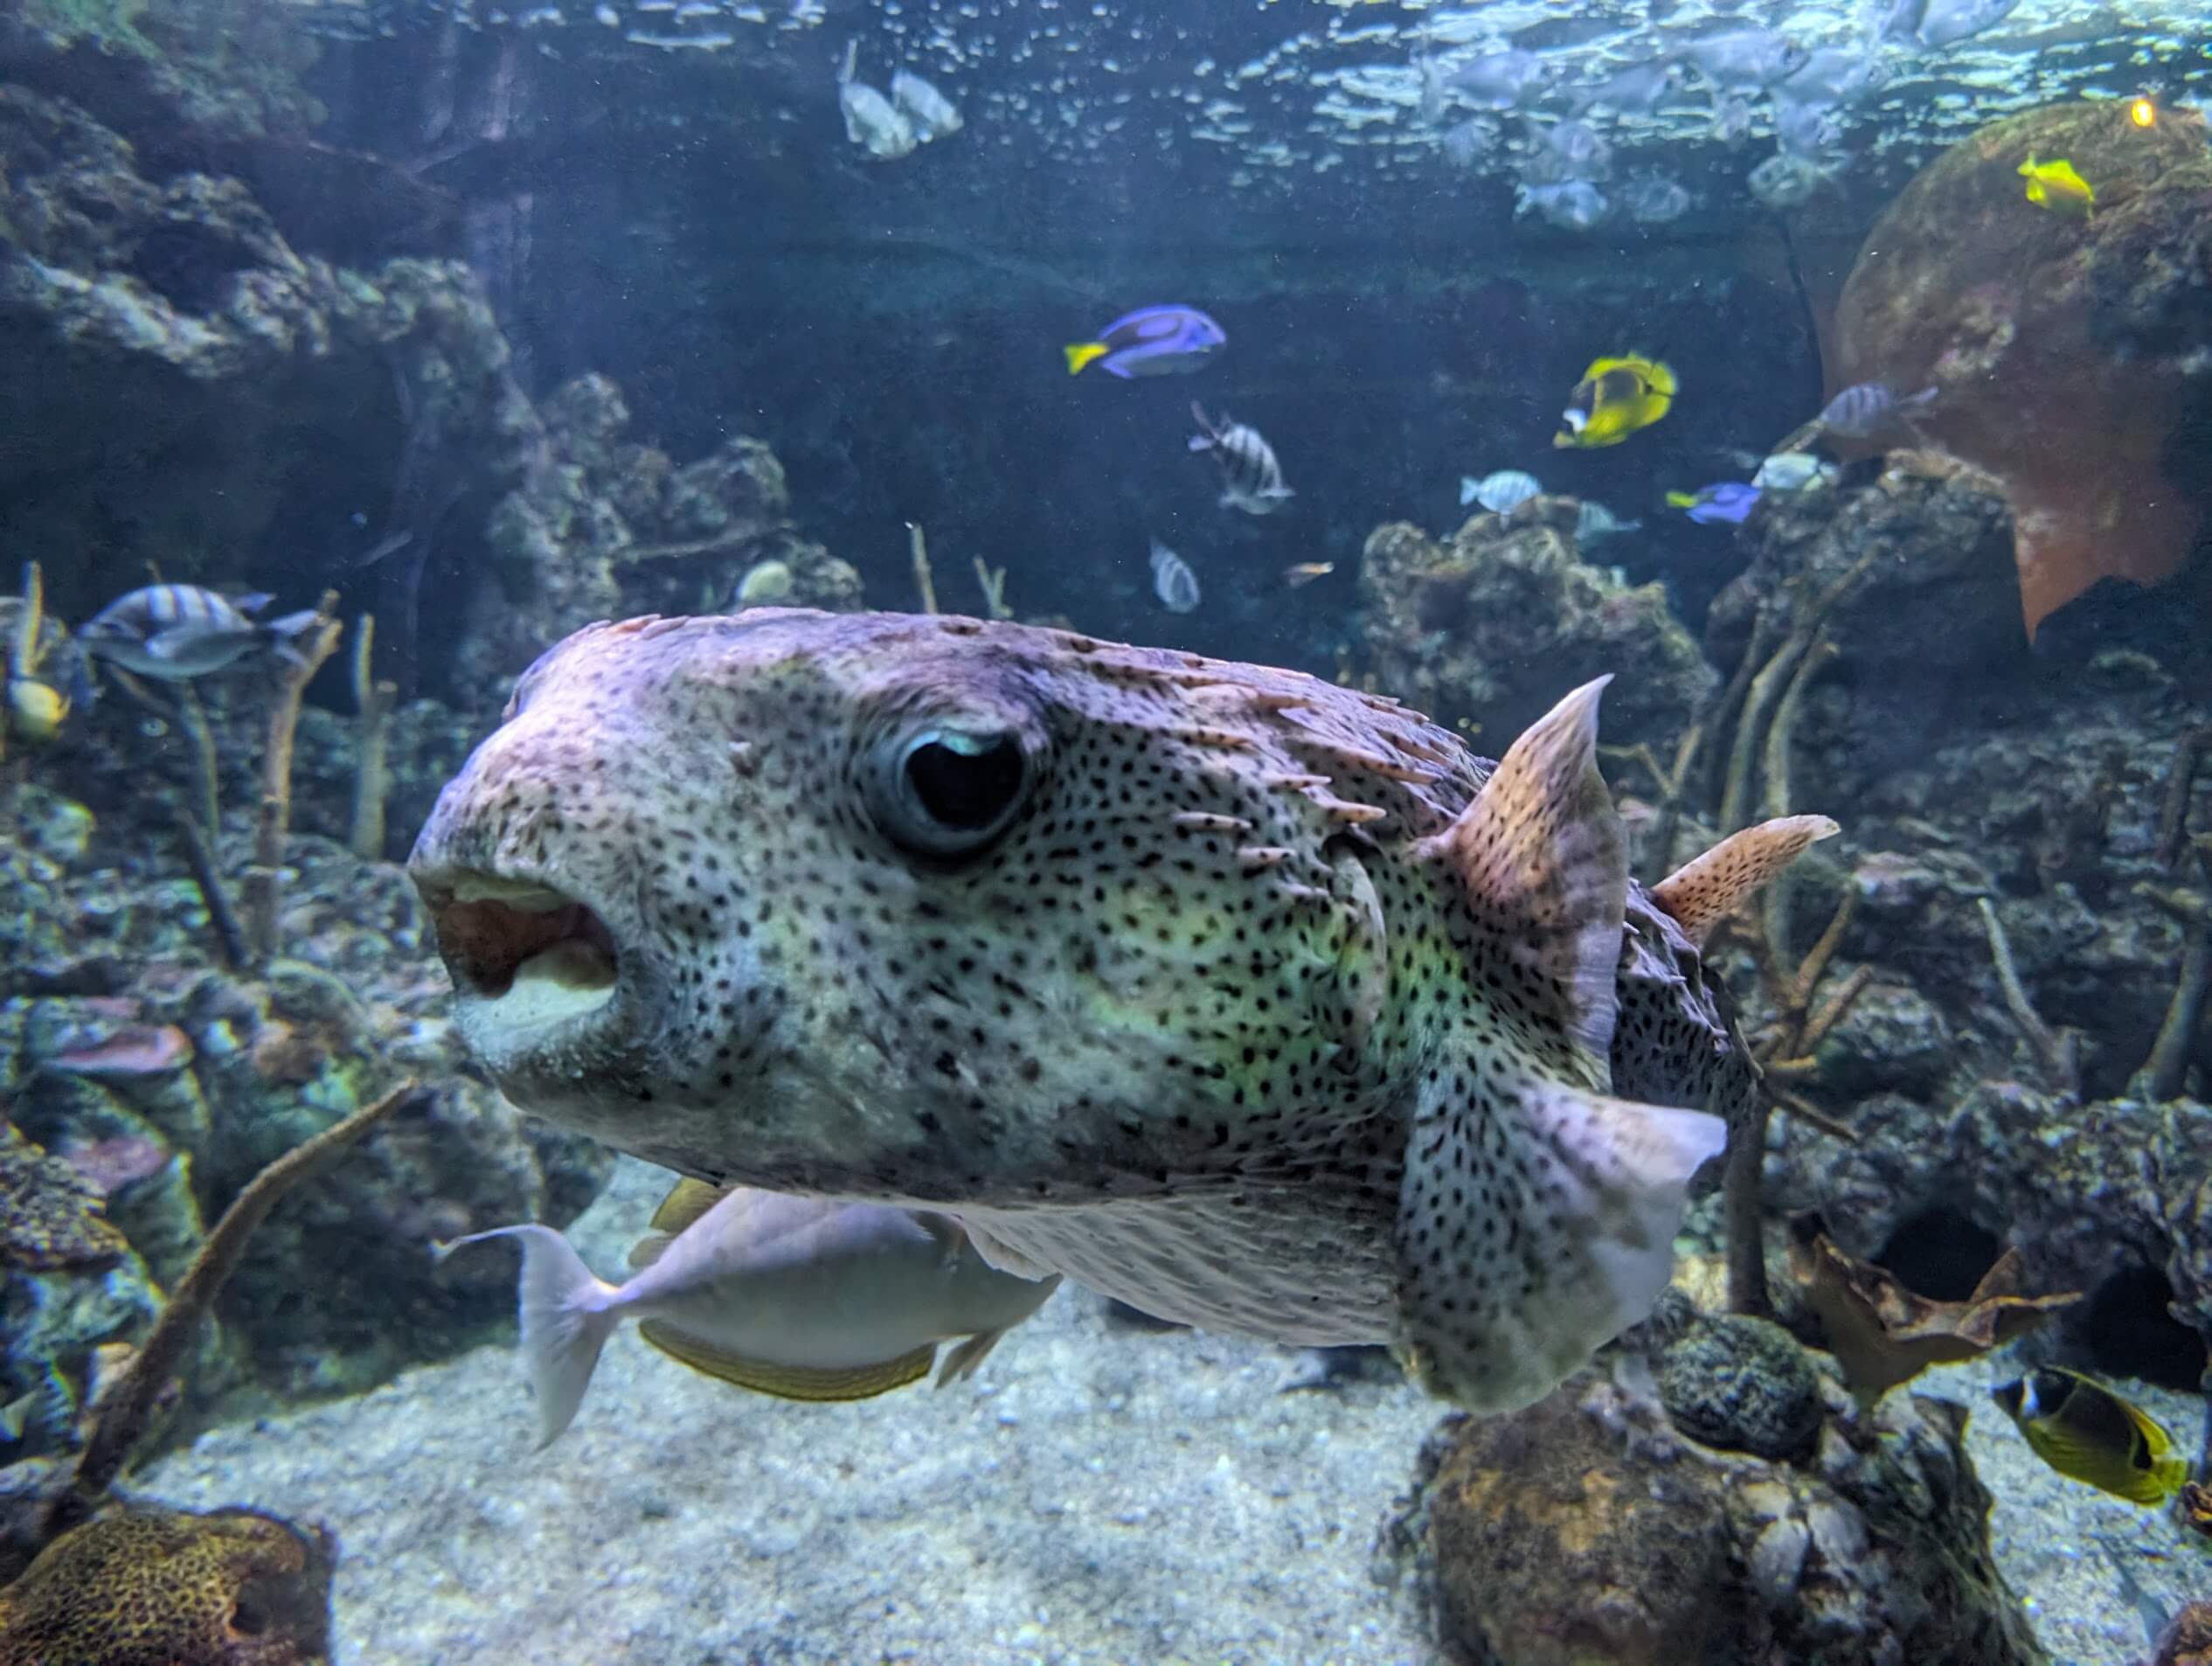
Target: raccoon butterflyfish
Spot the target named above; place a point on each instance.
(2088, 1433)
(1615, 397)
(2055, 185)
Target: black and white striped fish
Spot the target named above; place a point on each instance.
(1251, 478)
(182, 631)
(1866, 409)
(1172, 580)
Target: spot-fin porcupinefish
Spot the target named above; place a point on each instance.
(1253, 1001)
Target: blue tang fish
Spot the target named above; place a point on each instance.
(1730, 501)
(1152, 341)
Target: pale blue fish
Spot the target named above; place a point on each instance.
(1500, 492)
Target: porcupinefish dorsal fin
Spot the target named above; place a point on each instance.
(1544, 862)
(1536, 1215)
(1707, 889)
(791, 1382)
(687, 1201)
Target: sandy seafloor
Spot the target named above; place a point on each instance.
(1099, 1494)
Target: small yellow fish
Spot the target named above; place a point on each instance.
(2088, 1433)
(1615, 397)
(1306, 572)
(35, 709)
(2055, 185)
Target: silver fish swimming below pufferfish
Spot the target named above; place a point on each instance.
(1253, 1001)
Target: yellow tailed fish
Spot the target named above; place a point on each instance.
(1615, 397)
(801, 1297)
(2055, 185)
(2088, 1433)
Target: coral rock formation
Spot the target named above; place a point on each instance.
(1491, 626)
(161, 1587)
(1591, 1530)
(2061, 345)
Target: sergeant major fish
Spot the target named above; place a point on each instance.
(177, 631)
(1252, 1001)
(800, 1297)
(1251, 478)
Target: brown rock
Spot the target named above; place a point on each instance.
(2057, 340)
(1585, 1530)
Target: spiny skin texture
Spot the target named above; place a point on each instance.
(1167, 1030)
(162, 1588)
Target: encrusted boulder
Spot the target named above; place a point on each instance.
(146, 1586)
(1488, 628)
(602, 527)
(1593, 1529)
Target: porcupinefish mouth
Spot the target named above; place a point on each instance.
(527, 961)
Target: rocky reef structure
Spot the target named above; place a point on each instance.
(603, 527)
(1721, 1498)
(147, 1083)
(2071, 352)
(1488, 627)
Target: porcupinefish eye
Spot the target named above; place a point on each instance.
(944, 791)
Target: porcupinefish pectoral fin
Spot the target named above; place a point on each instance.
(1707, 889)
(1544, 862)
(791, 1382)
(1533, 1229)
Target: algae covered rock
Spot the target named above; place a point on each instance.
(147, 1586)
(1742, 1384)
(1490, 627)
(602, 527)
(1589, 1531)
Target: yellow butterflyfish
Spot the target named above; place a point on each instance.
(1615, 397)
(2055, 185)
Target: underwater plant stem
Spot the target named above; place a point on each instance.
(23, 659)
(2053, 1054)
(2173, 810)
(125, 1412)
(264, 880)
(373, 703)
(1743, 1208)
(207, 773)
(199, 856)
(2165, 1072)
(1766, 688)
(918, 546)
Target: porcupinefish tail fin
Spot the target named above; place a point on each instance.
(566, 1318)
(1544, 862)
(1531, 1232)
(1707, 889)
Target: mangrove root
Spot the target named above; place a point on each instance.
(373, 703)
(265, 879)
(125, 1410)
